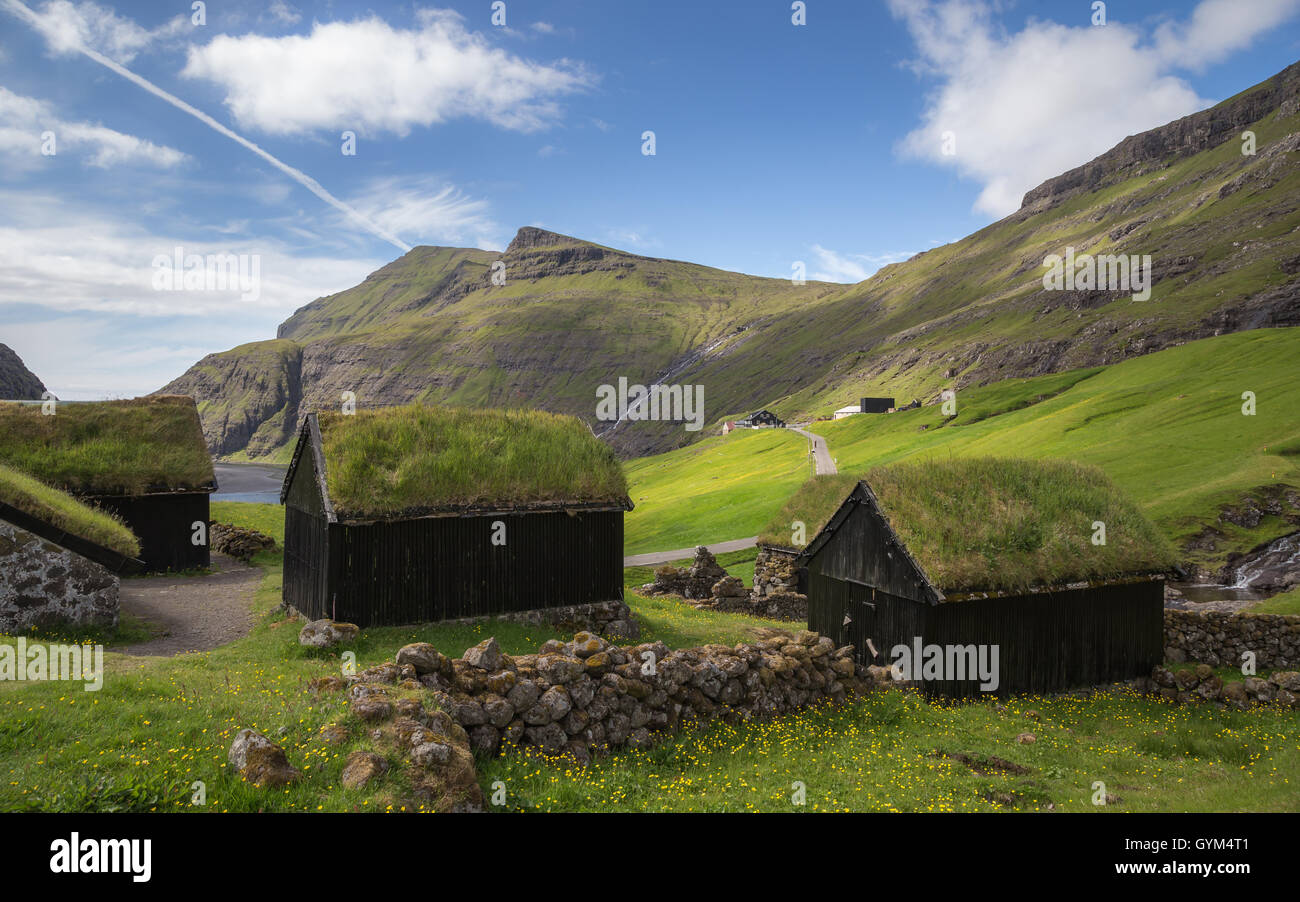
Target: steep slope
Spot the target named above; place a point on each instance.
(1222, 229)
(17, 382)
(432, 326)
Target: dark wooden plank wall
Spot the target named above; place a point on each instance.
(1047, 642)
(164, 524)
(306, 543)
(862, 548)
(440, 568)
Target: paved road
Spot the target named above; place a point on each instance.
(665, 557)
(824, 463)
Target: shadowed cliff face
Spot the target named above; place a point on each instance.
(1222, 231)
(17, 383)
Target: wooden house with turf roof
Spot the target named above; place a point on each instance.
(60, 559)
(142, 460)
(414, 514)
(1045, 560)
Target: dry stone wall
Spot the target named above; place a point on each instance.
(588, 696)
(44, 585)
(1220, 639)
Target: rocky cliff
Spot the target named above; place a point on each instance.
(17, 383)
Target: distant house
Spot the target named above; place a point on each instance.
(728, 427)
(992, 556)
(414, 514)
(60, 560)
(762, 419)
(849, 411)
(876, 405)
(143, 460)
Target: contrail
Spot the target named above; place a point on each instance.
(315, 187)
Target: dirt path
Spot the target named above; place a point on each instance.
(198, 613)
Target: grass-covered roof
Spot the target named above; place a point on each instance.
(813, 504)
(411, 460)
(61, 510)
(129, 447)
(1004, 524)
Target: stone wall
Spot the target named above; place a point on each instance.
(43, 585)
(696, 581)
(588, 696)
(1201, 683)
(1219, 639)
(612, 619)
(776, 572)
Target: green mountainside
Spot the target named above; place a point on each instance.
(1220, 226)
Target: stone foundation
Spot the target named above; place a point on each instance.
(1200, 683)
(1220, 639)
(43, 585)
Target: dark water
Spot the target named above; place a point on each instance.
(1264, 574)
(253, 483)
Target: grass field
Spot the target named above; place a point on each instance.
(1167, 428)
(159, 725)
(723, 487)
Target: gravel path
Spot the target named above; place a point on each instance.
(198, 613)
(664, 557)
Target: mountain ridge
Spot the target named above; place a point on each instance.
(1221, 228)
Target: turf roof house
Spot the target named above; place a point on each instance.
(985, 552)
(415, 514)
(142, 460)
(60, 560)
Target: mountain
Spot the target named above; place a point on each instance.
(17, 382)
(1221, 228)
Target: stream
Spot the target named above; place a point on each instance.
(1274, 569)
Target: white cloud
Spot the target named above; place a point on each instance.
(832, 266)
(369, 76)
(284, 13)
(425, 210)
(1024, 107)
(68, 27)
(24, 119)
(68, 259)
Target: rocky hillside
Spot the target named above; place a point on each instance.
(17, 382)
(1222, 230)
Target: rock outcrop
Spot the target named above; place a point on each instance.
(17, 382)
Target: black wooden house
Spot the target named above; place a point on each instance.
(440, 554)
(143, 460)
(874, 580)
(761, 419)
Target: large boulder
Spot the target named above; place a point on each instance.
(327, 633)
(260, 761)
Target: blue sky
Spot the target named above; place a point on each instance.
(775, 142)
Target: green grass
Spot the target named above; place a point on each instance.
(1282, 603)
(993, 523)
(108, 447)
(1166, 428)
(267, 518)
(721, 488)
(399, 460)
(894, 751)
(65, 512)
(812, 504)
